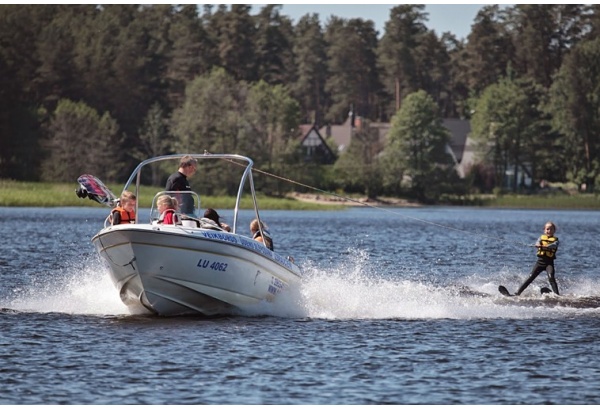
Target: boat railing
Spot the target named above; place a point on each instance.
(245, 179)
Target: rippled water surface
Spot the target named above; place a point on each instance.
(397, 306)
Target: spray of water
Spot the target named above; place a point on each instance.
(352, 288)
(83, 287)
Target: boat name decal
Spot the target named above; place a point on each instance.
(219, 236)
(218, 266)
(257, 246)
(249, 243)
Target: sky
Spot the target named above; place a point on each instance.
(455, 18)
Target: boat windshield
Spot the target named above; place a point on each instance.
(155, 214)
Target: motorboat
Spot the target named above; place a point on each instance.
(189, 267)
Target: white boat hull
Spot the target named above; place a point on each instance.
(173, 270)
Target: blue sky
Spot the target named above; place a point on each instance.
(455, 18)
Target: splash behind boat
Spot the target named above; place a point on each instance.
(191, 267)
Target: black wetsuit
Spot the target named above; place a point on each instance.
(178, 182)
(545, 262)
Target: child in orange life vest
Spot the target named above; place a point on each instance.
(125, 212)
(167, 206)
(547, 246)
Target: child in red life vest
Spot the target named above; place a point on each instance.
(167, 206)
(125, 212)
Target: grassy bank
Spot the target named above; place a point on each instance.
(579, 201)
(40, 194)
(541, 201)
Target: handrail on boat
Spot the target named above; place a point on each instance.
(246, 176)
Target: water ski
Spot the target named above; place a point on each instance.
(505, 291)
(94, 189)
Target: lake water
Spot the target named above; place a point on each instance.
(398, 306)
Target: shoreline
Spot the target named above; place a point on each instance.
(44, 195)
(324, 199)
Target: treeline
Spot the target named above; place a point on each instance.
(88, 88)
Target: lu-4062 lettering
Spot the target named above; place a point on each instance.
(206, 264)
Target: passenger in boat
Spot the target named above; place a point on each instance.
(178, 181)
(167, 207)
(125, 212)
(212, 220)
(547, 246)
(256, 235)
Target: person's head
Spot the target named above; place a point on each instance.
(213, 215)
(127, 201)
(549, 228)
(254, 226)
(165, 202)
(188, 165)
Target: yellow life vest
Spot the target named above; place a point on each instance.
(546, 240)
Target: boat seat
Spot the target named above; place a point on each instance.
(189, 221)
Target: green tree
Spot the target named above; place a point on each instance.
(222, 115)
(357, 169)
(56, 75)
(533, 39)
(310, 56)
(593, 20)
(209, 118)
(81, 141)
(542, 35)
(273, 117)
(417, 148)
(235, 31)
(121, 59)
(433, 67)
(139, 67)
(489, 49)
(96, 50)
(397, 50)
(20, 95)
(454, 104)
(273, 42)
(352, 65)
(193, 51)
(575, 107)
(154, 139)
(506, 127)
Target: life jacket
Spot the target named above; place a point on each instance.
(126, 217)
(267, 240)
(546, 240)
(175, 217)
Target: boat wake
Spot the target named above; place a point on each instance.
(353, 288)
(356, 288)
